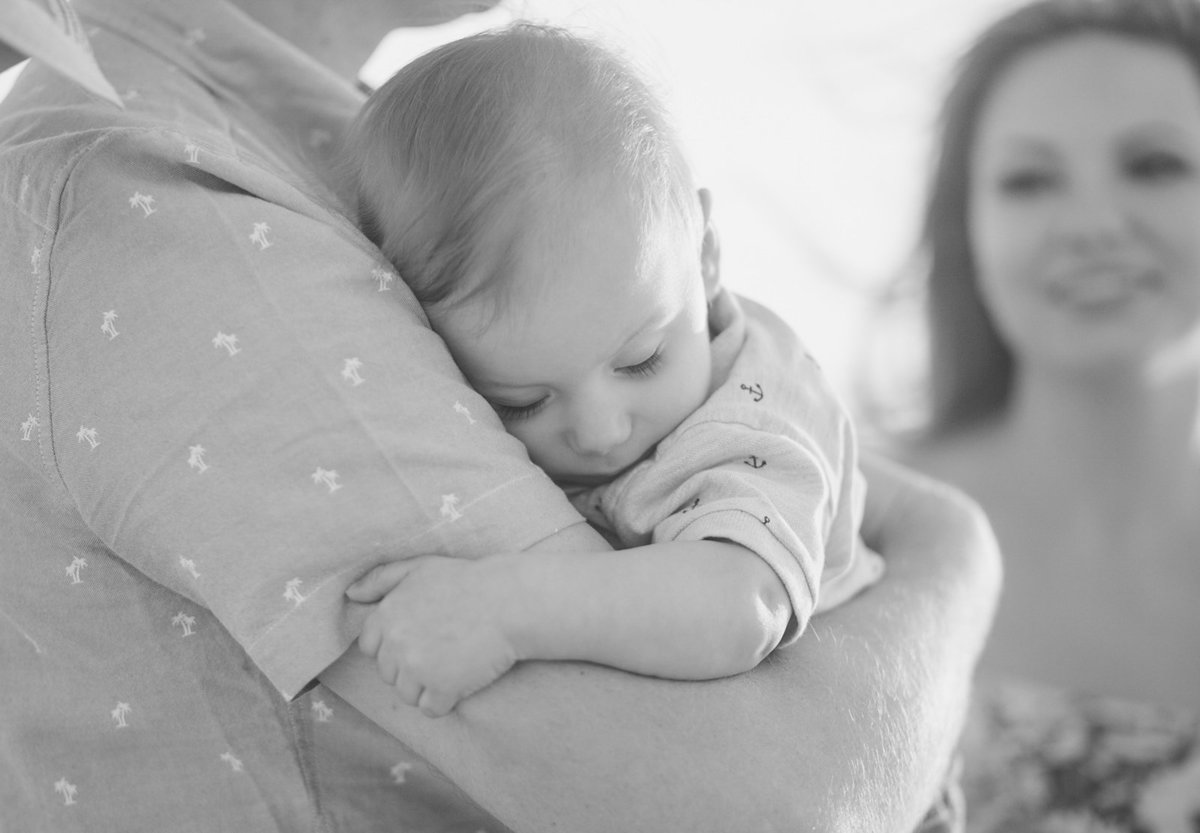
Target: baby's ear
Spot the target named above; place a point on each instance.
(710, 247)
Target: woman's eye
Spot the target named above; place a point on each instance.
(1157, 166)
(1027, 183)
(644, 368)
(514, 413)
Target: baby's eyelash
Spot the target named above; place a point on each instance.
(515, 413)
(645, 368)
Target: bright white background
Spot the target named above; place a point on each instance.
(808, 119)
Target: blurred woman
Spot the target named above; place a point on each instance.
(1061, 250)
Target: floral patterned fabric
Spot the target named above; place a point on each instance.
(1042, 760)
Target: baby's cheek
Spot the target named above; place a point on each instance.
(685, 396)
(535, 440)
(546, 449)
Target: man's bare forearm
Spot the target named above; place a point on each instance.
(847, 730)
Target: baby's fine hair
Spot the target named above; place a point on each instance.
(465, 150)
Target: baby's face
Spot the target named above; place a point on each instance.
(603, 349)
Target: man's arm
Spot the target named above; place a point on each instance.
(447, 627)
(850, 729)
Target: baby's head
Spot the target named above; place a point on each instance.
(527, 186)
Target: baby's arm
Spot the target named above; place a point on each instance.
(447, 627)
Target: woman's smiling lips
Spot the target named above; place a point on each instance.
(1101, 286)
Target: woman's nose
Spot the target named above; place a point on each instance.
(598, 427)
(1094, 218)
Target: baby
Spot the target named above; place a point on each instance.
(527, 187)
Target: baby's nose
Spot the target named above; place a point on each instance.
(597, 431)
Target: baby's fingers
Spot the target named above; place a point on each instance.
(435, 703)
(397, 673)
(380, 580)
(371, 637)
(408, 689)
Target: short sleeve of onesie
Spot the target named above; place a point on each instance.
(769, 461)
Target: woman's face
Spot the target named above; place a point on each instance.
(1085, 202)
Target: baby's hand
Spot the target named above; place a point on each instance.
(439, 633)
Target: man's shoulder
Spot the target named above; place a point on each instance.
(51, 131)
(105, 169)
(70, 177)
(44, 149)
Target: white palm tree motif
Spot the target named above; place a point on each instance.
(460, 408)
(182, 620)
(190, 566)
(234, 762)
(66, 790)
(327, 477)
(350, 371)
(36, 257)
(87, 435)
(259, 236)
(193, 152)
(118, 715)
(27, 427)
(228, 341)
(450, 504)
(109, 327)
(196, 458)
(144, 202)
(74, 568)
(322, 711)
(400, 770)
(384, 277)
(292, 593)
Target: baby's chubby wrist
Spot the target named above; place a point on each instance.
(538, 601)
(522, 612)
